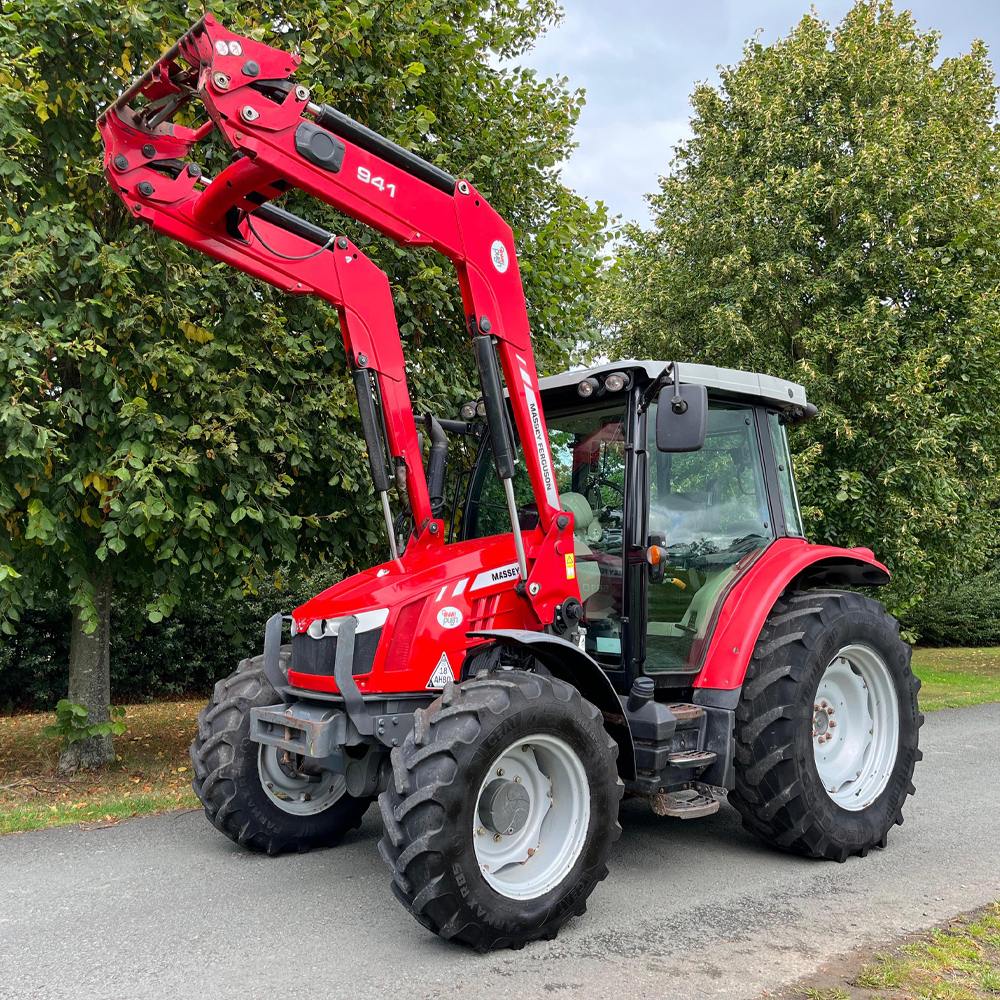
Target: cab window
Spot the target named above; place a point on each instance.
(708, 510)
(588, 457)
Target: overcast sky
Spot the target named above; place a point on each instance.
(638, 61)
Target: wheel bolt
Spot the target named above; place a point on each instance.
(497, 838)
(480, 831)
(824, 704)
(500, 772)
(832, 724)
(525, 748)
(517, 778)
(829, 711)
(816, 707)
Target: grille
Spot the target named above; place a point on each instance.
(319, 656)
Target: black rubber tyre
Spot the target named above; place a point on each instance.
(227, 781)
(778, 789)
(429, 807)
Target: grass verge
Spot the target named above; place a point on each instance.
(153, 771)
(952, 678)
(958, 962)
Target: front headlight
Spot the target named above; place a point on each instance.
(368, 621)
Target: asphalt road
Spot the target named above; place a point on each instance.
(166, 907)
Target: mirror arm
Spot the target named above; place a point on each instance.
(677, 402)
(652, 390)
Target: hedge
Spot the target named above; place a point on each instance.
(184, 655)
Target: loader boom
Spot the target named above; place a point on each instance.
(282, 140)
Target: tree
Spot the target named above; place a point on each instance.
(832, 220)
(167, 422)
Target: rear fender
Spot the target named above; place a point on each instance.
(787, 564)
(571, 664)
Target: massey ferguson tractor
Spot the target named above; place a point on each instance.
(629, 606)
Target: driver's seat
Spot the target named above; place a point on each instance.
(596, 604)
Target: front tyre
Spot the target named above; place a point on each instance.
(502, 810)
(827, 727)
(250, 792)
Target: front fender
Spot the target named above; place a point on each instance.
(571, 664)
(786, 563)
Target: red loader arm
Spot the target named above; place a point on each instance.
(283, 140)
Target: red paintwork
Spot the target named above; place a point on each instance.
(433, 577)
(750, 601)
(461, 225)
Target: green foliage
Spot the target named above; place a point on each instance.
(832, 220)
(203, 640)
(965, 614)
(172, 425)
(71, 723)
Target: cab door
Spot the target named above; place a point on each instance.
(709, 512)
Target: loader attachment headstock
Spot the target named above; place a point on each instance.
(277, 138)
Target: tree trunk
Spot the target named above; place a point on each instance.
(90, 684)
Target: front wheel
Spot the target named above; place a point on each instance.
(827, 727)
(502, 810)
(257, 795)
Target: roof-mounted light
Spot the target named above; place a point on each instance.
(617, 381)
(588, 387)
(468, 411)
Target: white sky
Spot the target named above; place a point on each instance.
(638, 61)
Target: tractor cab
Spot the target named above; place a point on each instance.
(660, 535)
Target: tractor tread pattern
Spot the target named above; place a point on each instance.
(769, 793)
(222, 729)
(415, 807)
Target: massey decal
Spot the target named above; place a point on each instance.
(494, 576)
(542, 448)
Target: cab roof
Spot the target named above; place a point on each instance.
(751, 385)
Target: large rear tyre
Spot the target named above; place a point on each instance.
(502, 810)
(250, 793)
(827, 727)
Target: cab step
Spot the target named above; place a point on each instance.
(691, 758)
(686, 804)
(685, 712)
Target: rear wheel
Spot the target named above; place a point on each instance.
(515, 859)
(255, 794)
(827, 727)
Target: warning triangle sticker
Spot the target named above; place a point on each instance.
(442, 673)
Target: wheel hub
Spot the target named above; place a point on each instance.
(293, 791)
(855, 727)
(532, 815)
(505, 806)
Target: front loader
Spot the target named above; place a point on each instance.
(639, 613)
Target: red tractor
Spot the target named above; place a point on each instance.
(629, 606)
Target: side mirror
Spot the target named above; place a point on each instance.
(681, 417)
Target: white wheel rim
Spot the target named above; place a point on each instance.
(855, 727)
(540, 854)
(296, 795)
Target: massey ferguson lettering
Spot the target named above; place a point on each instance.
(491, 577)
(541, 446)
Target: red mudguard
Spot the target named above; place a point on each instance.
(750, 599)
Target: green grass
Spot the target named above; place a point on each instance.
(952, 678)
(152, 772)
(957, 962)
